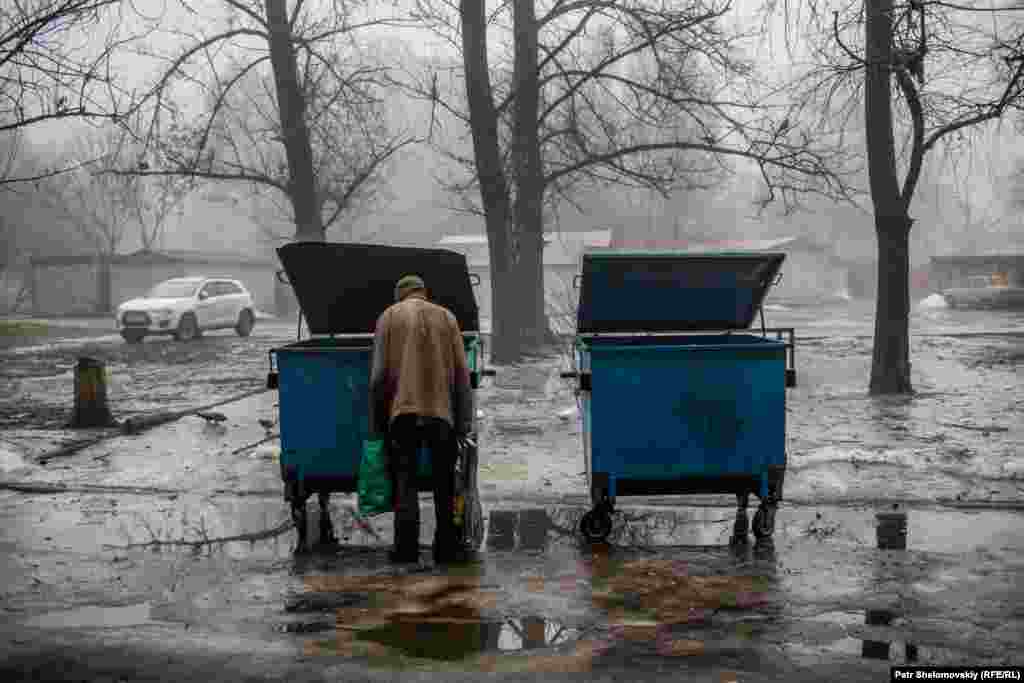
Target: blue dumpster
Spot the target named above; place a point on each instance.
(677, 397)
(323, 381)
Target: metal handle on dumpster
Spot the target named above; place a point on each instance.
(474, 279)
(272, 381)
(281, 277)
(584, 378)
(474, 378)
(576, 281)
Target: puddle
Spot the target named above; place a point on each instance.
(895, 652)
(849, 623)
(93, 616)
(450, 638)
(419, 617)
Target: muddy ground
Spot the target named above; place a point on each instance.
(160, 374)
(168, 555)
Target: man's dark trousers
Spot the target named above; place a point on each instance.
(406, 434)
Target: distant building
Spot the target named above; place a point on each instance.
(976, 270)
(812, 271)
(562, 253)
(83, 284)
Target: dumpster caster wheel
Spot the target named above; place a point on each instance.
(764, 521)
(596, 525)
(740, 529)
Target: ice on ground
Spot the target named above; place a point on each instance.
(991, 467)
(268, 451)
(933, 301)
(10, 459)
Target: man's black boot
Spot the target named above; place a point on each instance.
(407, 543)
(448, 548)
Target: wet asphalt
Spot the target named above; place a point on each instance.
(118, 561)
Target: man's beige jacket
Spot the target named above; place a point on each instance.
(419, 365)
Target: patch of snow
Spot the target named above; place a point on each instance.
(933, 301)
(268, 451)
(10, 459)
(569, 413)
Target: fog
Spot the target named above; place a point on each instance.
(965, 202)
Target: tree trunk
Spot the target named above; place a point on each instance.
(890, 363)
(292, 107)
(529, 266)
(483, 121)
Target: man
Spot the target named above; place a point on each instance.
(420, 394)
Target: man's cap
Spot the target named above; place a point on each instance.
(409, 283)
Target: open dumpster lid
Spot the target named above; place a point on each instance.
(669, 291)
(343, 288)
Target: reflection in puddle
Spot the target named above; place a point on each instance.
(457, 639)
(895, 652)
(99, 617)
(869, 649)
(426, 617)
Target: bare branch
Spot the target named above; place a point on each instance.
(249, 12)
(917, 152)
(796, 160)
(9, 180)
(839, 40)
(1013, 92)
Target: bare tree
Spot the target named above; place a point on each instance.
(351, 143)
(103, 206)
(55, 64)
(24, 207)
(291, 104)
(956, 65)
(586, 93)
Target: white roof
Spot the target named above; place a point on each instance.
(563, 248)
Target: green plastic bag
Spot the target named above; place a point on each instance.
(374, 486)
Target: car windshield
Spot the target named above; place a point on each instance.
(173, 290)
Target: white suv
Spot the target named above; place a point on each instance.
(186, 307)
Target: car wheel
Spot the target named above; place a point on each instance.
(133, 336)
(245, 323)
(188, 329)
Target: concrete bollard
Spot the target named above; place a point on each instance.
(891, 534)
(891, 529)
(533, 529)
(91, 407)
(501, 532)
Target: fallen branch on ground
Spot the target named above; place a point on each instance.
(73, 447)
(976, 428)
(180, 542)
(140, 423)
(38, 487)
(246, 447)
